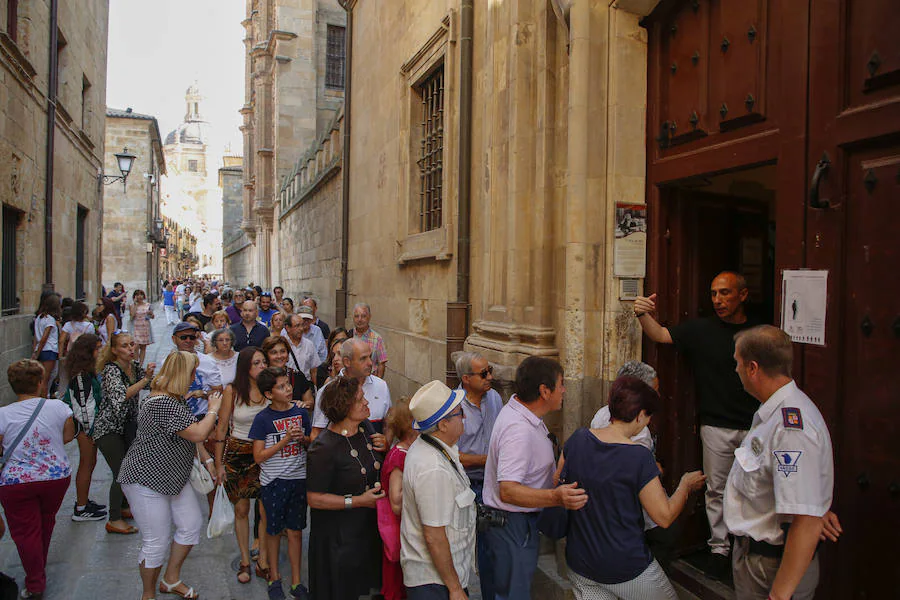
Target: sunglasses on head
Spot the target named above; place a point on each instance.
(483, 374)
(188, 336)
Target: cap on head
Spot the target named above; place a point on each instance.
(305, 312)
(433, 402)
(184, 326)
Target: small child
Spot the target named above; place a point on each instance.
(280, 434)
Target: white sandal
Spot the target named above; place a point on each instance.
(170, 589)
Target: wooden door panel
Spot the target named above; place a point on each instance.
(686, 52)
(872, 54)
(737, 62)
(854, 119)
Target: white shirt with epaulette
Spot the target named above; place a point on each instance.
(784, 467)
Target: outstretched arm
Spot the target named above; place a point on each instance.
(643, 307)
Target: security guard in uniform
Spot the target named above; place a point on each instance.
(778, 493)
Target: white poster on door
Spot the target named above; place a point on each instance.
(804, 296)
(630, 246)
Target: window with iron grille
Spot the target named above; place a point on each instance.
(80, 224)
(431, 159)
(334, 58)
(8, 272)
(192, 166)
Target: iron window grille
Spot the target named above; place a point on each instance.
(431, 160)
(334, 57)
(8, 275)
(80, 230)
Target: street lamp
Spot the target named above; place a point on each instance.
(125, 160)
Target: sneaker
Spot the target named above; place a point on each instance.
(88, 513)
(95, 506)
(299, 591)
(32, 595)
(274, 590)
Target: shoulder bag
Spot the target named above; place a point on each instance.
(6, 455)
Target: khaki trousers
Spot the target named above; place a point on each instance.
(754, 574)
(719, 445)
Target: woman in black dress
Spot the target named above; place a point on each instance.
(342, 485)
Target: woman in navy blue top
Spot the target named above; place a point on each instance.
(606, 552)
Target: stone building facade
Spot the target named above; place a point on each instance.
(294, 87)
(57, 171)
(179, 259)
(309, 219)
(133, 232)
(236, 246)
(190, 197)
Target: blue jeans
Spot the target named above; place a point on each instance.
(485, 570)
(431, 591)
(513, 552)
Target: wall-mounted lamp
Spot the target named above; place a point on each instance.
(125, 160)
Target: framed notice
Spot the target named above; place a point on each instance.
(630, 245)
(804, 299)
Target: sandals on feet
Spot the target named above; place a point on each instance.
(169, 588)
(243, 570)
(261, 572)
(121, 530)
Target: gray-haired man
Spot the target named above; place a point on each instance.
(481, 406)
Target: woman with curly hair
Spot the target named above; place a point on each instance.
(235, 465)
(83, 396)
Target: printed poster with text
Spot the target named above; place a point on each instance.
(803, 305)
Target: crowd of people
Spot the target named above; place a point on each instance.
(404, 497)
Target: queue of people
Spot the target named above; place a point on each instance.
(410, 495)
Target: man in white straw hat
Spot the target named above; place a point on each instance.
(437, 529)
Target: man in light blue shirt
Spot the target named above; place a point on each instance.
(480, 407)
(314, 334)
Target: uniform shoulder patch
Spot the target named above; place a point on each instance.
(787, 461)
(792, 418)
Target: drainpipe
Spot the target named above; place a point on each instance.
(53, 84)
(458, 311)
(341, 295)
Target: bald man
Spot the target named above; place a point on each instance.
(725, 409)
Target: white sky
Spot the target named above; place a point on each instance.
(157, 48)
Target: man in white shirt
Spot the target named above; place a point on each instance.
(314, 334)
(357, 357)
(303, 358)
(437, 529)
(778, 493)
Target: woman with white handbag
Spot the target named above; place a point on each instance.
(156, 474)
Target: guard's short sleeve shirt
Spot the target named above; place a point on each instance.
(784, 467)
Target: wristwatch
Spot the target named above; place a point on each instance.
(348, 502)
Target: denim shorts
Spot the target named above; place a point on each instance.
(48, 355)
(285, 504)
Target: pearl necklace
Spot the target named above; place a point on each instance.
(355, 454)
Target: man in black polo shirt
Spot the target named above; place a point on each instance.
(249, 331)
(725, 409)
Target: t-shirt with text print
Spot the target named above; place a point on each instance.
(272, 425)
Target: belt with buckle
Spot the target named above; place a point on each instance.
(764, 549)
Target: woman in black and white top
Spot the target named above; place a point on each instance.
(156, 472)
(122, 378)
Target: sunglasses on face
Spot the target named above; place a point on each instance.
(189, 336)
(457, 413)
(483, 374)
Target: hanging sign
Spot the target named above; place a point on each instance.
(804, 297)
(630, 246)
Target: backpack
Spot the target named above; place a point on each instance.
(83, 410)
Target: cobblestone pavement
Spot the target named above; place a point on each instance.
(85, 562)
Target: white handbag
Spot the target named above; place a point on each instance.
(201, 480)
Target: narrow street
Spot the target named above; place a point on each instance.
(85, 561)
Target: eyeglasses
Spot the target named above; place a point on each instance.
(483, 374)
(189, 336)
(458, 413)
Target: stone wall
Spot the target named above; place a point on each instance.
(78, 153)
(310, 225)
(128, 212)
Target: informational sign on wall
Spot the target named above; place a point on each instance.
(804, 300)
(631, 240)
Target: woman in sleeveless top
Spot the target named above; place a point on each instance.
(141, 313)
(235, 466)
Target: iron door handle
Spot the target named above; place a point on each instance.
(821, 171)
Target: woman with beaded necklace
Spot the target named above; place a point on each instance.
(343, 486)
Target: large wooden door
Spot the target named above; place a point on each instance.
(854, 124)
